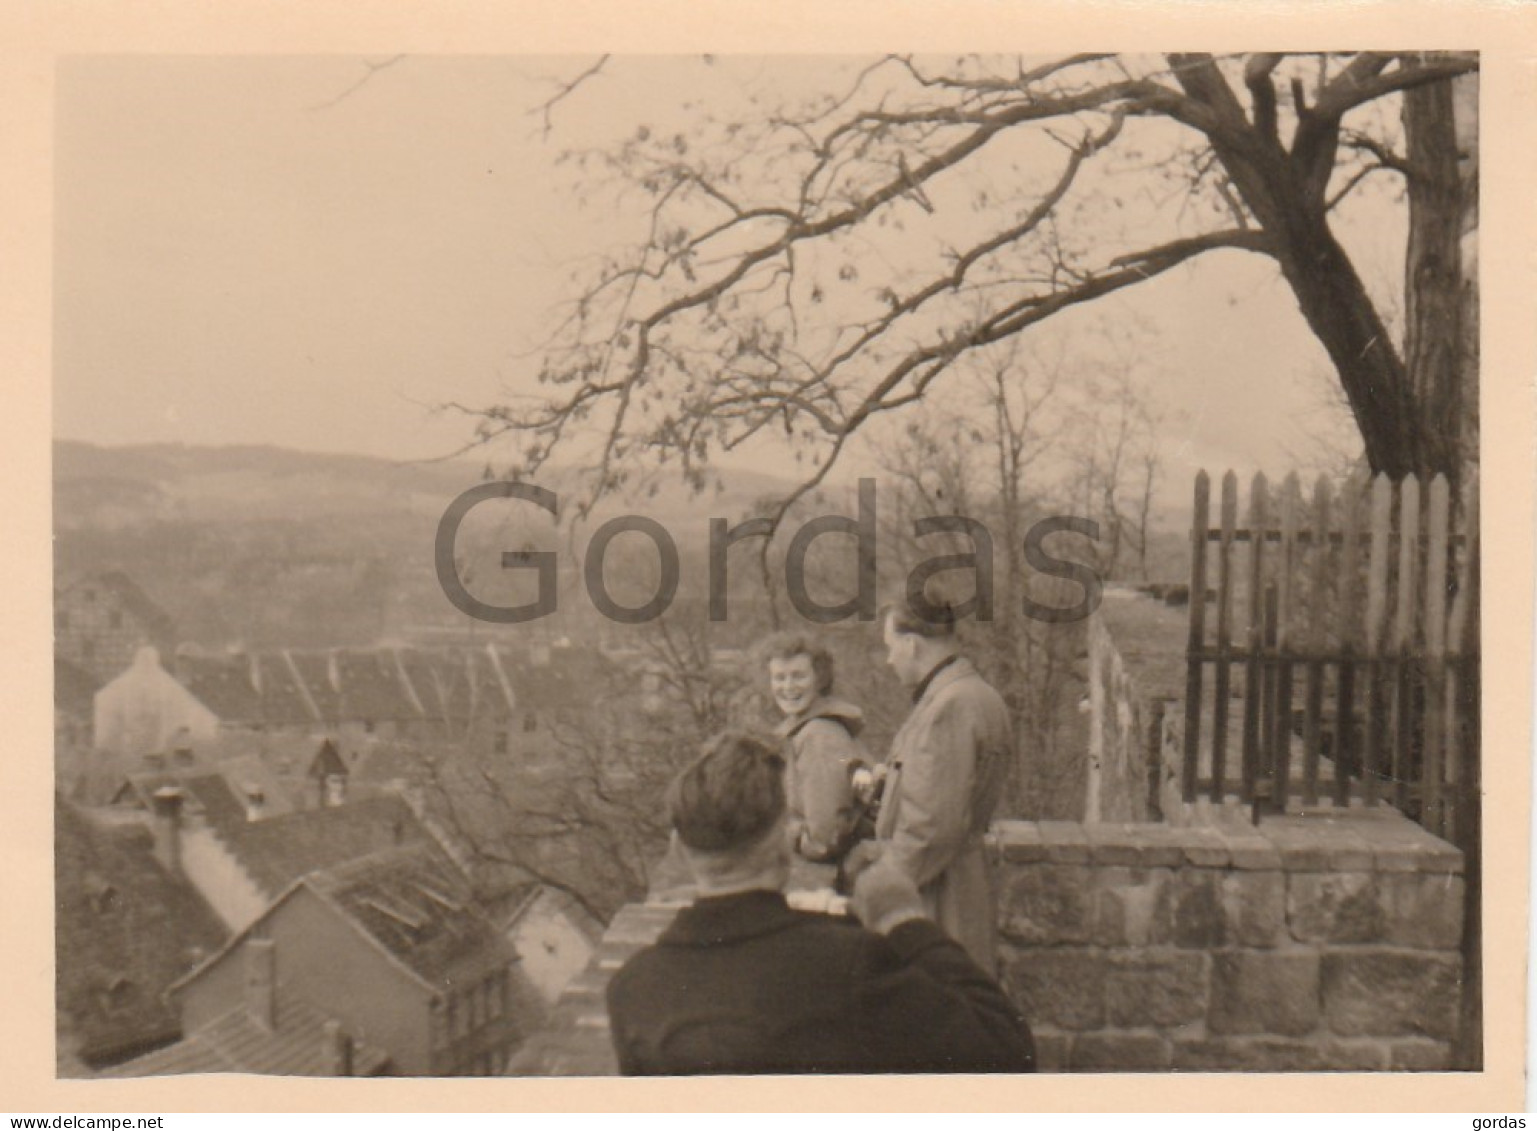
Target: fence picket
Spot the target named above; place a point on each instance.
(1258, 519)
(1346, 750)
(1403, 746)
(1221, 689)
(1197, 640)
(1372, 742)
(1319, 550)
(1435, 657)
(1281, 703)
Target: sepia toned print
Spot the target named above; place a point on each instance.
(439, 441)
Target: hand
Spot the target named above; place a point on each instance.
(884, 897)
(860, 857)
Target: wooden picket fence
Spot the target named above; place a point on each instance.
(1349, 673)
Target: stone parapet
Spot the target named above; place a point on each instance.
(1302, 944)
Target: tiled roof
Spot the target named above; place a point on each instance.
(223, 685)
(154, 619)
(125, 930)
(285, 699)
(235, 1042)
(371, 687)
(315, 668)
(278, 850)
(429, 676)
(416, 904)
(569, 678)
(326, 762)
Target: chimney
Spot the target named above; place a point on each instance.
(335, 790)
(166, 823)
(261, 982)
(336, 1049)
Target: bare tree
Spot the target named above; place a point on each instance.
(811, 268)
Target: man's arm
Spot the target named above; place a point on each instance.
(938, 765)
(925, 1005)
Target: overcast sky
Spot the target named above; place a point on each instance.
(258, 250)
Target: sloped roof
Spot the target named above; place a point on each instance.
(125, 930)
(278, 850)
(223, 685)
(285, 699)
(156, 621)
(315, 669)
(418, 906)
(430, 676)
(371, 687)
(235, 1042)
(568, 679)
(326, 762)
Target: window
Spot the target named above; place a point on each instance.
(61, 618)
(115, 619)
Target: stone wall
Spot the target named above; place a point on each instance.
(1136, 668)
(1307, 943)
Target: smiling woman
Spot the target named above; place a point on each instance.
(827, 817)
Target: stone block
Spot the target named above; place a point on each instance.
(1422, 909)
(1334, 907)
(1113, 845)
(1120, 1052)
(1399, 845)
(1254, 907)
(1264, 992)
(1391, 993)
(1248, 850)
(1318, 844)
(1191, 912)
(1204, 847)
(1017, 842)
(1354, 1056)
(1047, 904)
(1246, 1054)
(1062, 988)
(1065, 841)
(1419, 1056)
(1155, 989)
(1127, 904)
(1160, 845)
(1051, 1050)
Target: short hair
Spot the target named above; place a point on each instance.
(788, 645)
(938, 624)
(730, 795)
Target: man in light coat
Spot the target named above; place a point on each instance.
(945, 776)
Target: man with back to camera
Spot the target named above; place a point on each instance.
(945, 776)
(742, 984)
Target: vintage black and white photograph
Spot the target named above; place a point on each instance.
(612, 565)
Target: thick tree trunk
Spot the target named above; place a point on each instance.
(1443, 379)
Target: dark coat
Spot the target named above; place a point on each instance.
(742, 984)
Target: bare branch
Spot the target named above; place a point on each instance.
(372, 70)
(546, 109)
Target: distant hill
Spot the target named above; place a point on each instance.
(111, 487)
